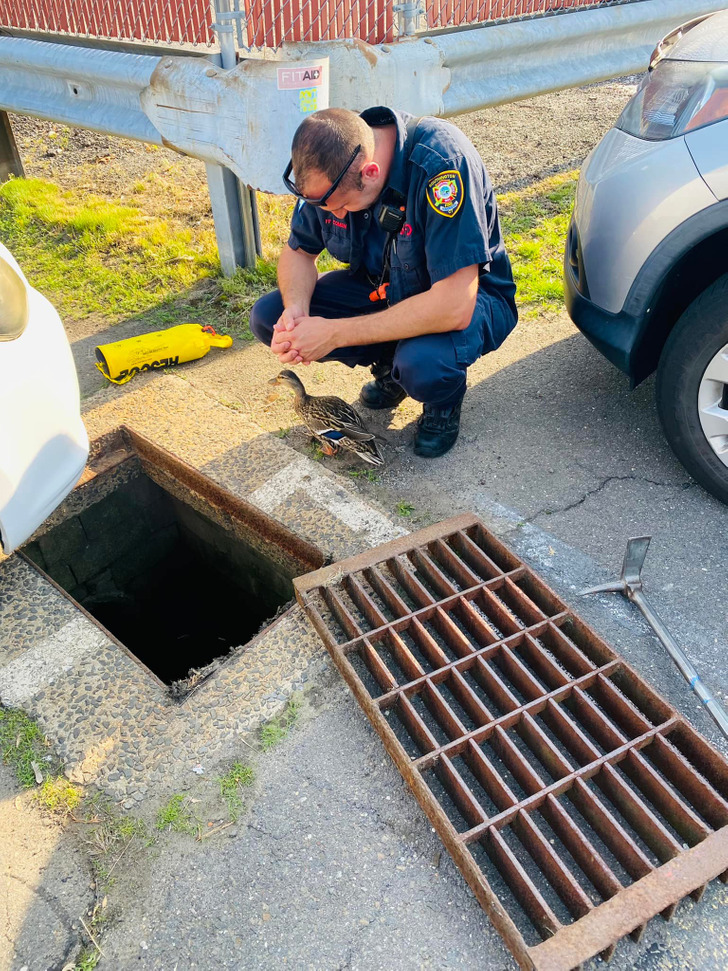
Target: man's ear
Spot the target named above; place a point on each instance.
(370, 172)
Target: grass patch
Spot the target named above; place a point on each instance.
(176, 816)
(26, 750)
(88, 255)
(240, 292)
(274, 731)
(534, 222)
(367, 474)
(231, 786)
(91, 256)
(111, 830)
(87, 960)
(93, 926)
(22, 743)
(59, 796)
(108, 836)
(405, 508)
(274, 216)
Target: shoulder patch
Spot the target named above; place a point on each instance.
(445, 192)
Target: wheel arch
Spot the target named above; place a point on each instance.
(687, 262)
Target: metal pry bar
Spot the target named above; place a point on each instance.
(630, 584)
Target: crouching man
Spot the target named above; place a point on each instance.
(409, 205)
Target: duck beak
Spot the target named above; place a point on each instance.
(273, 381)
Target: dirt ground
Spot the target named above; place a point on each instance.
(37, 877)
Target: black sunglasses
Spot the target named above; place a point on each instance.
(292, 187)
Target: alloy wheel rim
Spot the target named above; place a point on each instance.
(713, 404)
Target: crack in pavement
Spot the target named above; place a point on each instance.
(48, 898)
(63, 916)
(346, 966)
(356, 945)
(262, 831)
(678, 487)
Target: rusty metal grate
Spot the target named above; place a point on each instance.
(576, 802)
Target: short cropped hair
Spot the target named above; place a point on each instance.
(324, 142)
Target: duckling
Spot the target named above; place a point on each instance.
(332, 421)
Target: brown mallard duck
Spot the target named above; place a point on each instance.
(331, 421)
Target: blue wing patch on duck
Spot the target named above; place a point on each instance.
(331, 420)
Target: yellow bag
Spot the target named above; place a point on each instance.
(119, 362)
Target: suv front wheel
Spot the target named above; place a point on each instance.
(692, 389)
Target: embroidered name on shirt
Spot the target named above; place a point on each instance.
(336, 222)
(445, 192)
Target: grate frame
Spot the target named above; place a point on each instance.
(546, 764)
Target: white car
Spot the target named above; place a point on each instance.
(43, 442)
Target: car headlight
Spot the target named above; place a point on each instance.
(675, 98)
(13, 303)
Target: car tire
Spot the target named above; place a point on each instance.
(696, 339)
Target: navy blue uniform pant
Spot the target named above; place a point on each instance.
(431, 368)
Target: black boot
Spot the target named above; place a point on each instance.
(437, 430)
(383, 391)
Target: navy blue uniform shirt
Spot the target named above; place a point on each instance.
(451, 217)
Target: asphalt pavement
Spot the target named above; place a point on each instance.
(335, 868)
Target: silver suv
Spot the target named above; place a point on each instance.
(646, 262)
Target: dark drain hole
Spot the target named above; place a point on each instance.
(177, 589)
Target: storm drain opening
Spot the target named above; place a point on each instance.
(577, 803)
(176, 569)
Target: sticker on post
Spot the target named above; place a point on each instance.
(297, 78)
(308, 100)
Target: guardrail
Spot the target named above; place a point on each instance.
(243, 118)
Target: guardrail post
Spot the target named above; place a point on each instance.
(10, 161)
(234, 207)
(408, 17)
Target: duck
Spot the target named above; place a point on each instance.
(333, 422)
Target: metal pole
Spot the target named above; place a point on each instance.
(11, 164)
(683, 662)
(234, 207)
(225, 200)
(408, 17)
(630, 584)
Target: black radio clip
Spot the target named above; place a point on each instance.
(391, 211)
